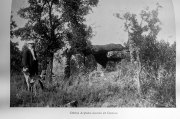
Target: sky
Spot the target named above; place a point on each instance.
(109, 29)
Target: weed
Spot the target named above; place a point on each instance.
(117, 88)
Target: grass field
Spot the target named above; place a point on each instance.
(117, 88)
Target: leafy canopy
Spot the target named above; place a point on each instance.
(143, 35)
(48, 21)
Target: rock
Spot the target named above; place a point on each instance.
(106, 104)
(72, 104)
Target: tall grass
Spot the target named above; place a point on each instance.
(117, 88)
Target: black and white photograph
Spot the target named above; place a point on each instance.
(92, 53)
(90, 57)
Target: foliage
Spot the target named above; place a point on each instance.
(77, 33)
(52, 22)
(167, 55)
(44, 25)
(152, 52)
(15, 53)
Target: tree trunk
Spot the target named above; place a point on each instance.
(131, 47)
(139, 68)
(49, 69)
(135, 59)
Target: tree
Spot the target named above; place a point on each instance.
(146, 44)
(43, 25)
(143, 48)
(47, 21)
(77, 34)
(15, 54)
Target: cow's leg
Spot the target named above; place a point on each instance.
(27, 81)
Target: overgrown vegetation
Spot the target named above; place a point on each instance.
(115, 89)
(145, 78)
